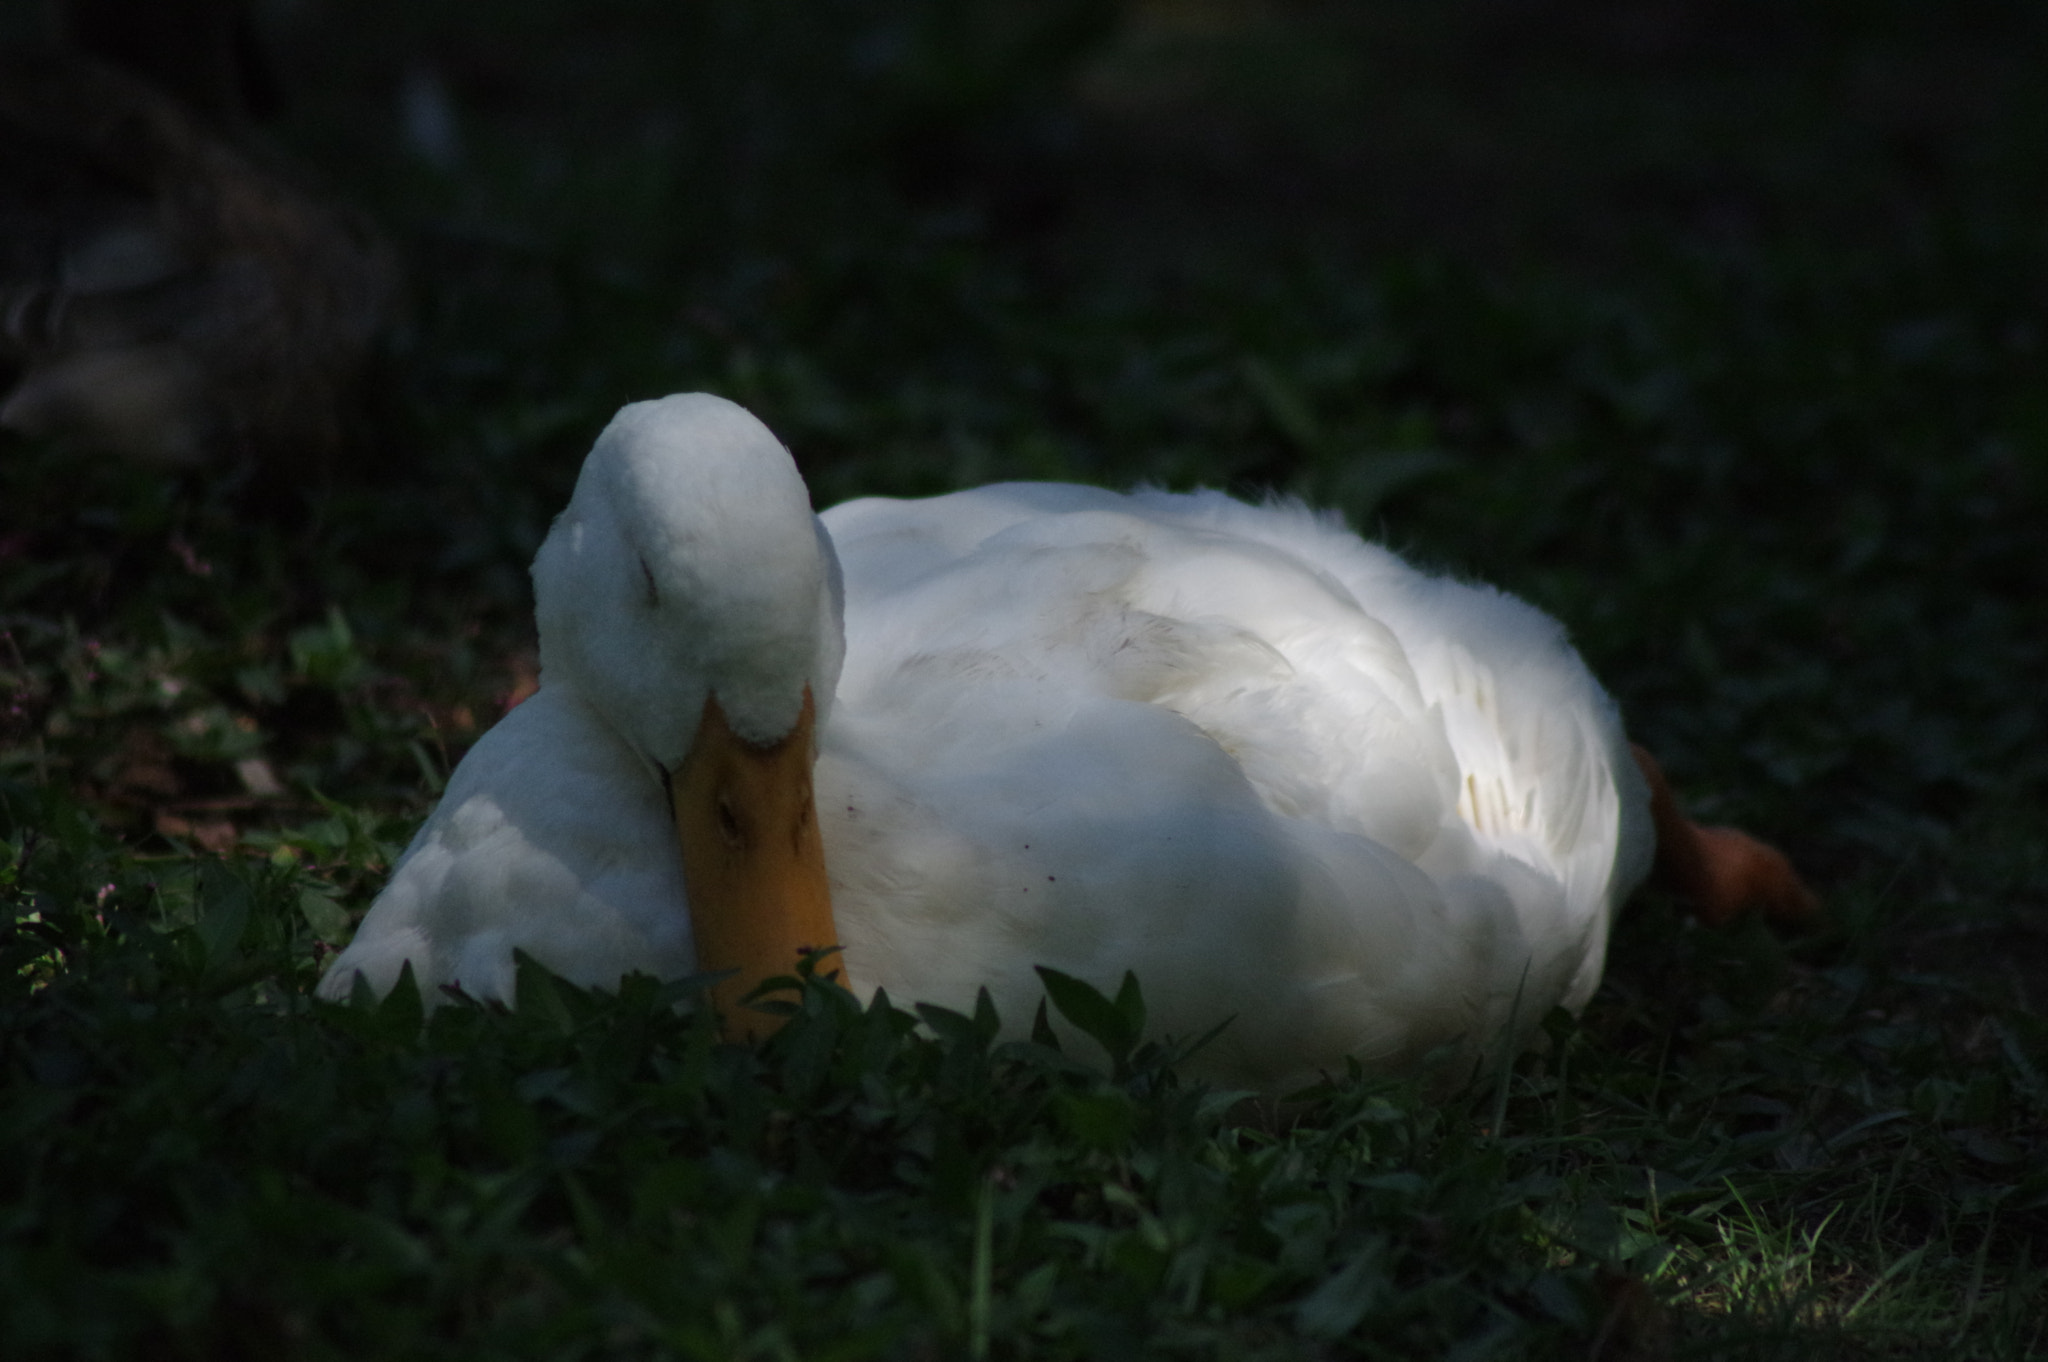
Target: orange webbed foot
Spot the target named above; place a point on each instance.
(1722, 872)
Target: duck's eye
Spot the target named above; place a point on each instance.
(653, 595)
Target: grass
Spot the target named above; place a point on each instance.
(1747, 393)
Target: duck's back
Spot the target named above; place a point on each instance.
(1275, 760)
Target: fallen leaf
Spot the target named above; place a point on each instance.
(216, 835)
(143, 765)
(525, 669)
(257, 777)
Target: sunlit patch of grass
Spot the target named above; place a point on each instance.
(1755, 1268)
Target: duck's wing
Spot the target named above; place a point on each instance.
(1275, 786)
(1359, 691)
(552, 839)
(1545, 771)
(976, 832)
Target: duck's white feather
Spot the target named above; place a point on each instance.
(552, 839)
(1282, 775)
(1274, 769)
(687, 561)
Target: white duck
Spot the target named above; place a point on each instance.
(1279, 774)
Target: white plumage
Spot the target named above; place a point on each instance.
(1278, 773)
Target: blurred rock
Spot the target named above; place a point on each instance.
(168, 292)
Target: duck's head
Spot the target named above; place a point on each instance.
(690, 596)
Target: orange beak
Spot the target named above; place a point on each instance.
(753, 864)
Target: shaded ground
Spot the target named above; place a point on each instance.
(1514, 132)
